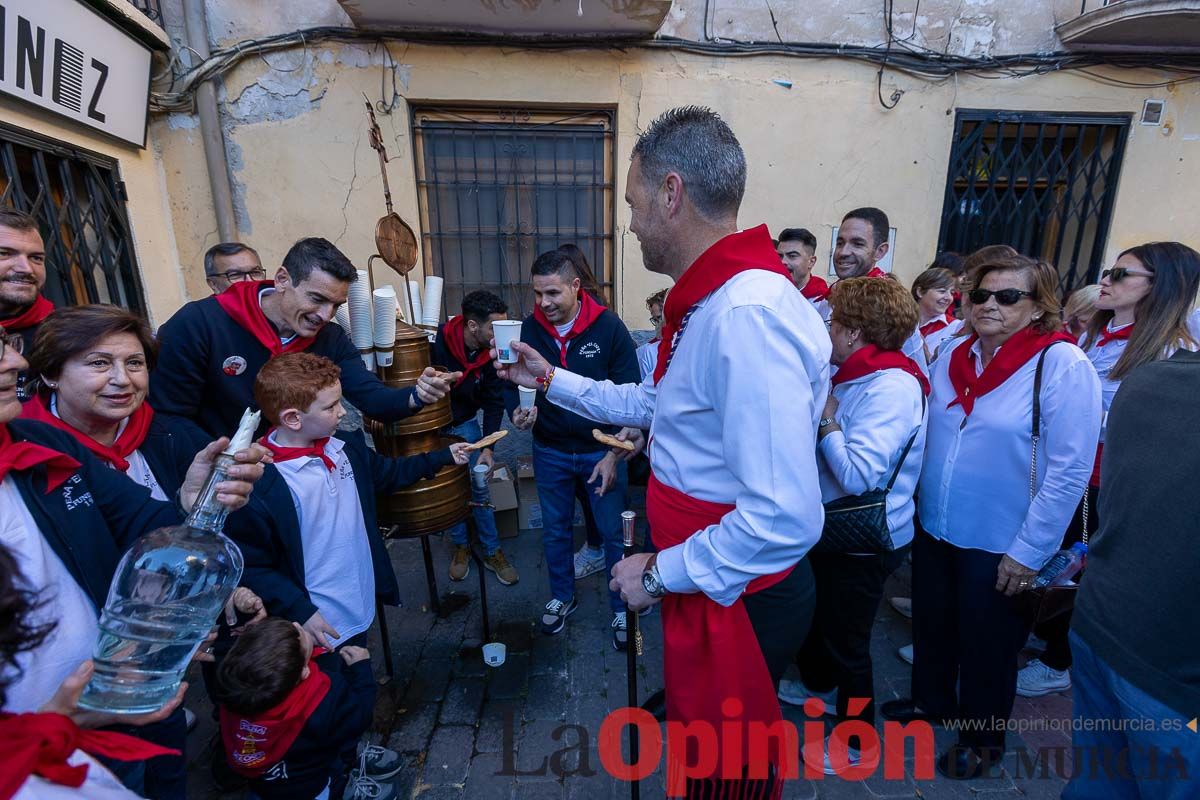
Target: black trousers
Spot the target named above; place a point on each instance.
(964, 632)
(1055, 629)
(780, 617)
(837, 652)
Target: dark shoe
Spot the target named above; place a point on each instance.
(460, 562)
(554, 615)
(620, 634)
(505, 572)
(905, 711)
(962, 764)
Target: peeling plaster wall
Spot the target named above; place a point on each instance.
(302, 165)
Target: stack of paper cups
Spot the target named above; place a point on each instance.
(342, 318)
(385, 324)
(414, 297)
(360, 319)
(433, 301)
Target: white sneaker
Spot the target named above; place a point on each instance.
(906, 653)
(794, 693)
(903, 605)
(1037, 679)
(588, 562)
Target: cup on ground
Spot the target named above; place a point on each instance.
(493, 653)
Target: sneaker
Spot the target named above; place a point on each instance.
(460, 562)
(906, 653)
(620, 632)
(853, 757)
(903, 605)
(364, 787)
(588, 562)
(506, 573)
(794, 693)
(554, 617)
(378, 762)
(1037, 679)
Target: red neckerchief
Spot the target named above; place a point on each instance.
(729, 256)
(871, 359)
(816, 289)
(1020, 347)
(710, 651)
(40, 744)
(933, 326)
(314, 450)
(455, 334)
(240, 302)
(1120, 334)
(255, 744)
(23, 455)
(31, 316)
(876, 272)
(589, 311)
(950, 314)
(136, 428)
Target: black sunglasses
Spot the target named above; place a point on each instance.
(1120, 273)
(1005, 297)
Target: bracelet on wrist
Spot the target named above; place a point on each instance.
(544, 381)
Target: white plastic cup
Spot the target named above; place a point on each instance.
(493, 654)
(479, 476)
(527, 396)
(383, 357)
(506, 332)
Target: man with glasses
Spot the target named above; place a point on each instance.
(647, 354)
(228, 263)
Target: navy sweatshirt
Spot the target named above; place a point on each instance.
(483, 390)
(94, 516)
(603, 352)
(268, 531)
(335, 726)
(169, 449)
(208, 362)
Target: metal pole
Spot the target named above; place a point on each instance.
(210, 126)
(633, 649)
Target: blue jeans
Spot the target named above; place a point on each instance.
(1126, 764)
(485, 518)
(558, 474)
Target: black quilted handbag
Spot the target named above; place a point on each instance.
(857, 523)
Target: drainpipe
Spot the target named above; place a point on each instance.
(210, 125)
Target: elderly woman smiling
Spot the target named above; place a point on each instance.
(92, 365)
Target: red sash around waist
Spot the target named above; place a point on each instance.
(710, 651)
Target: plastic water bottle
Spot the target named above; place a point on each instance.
(1064, 566)
(164, 598)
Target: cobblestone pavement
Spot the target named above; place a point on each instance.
(529, 729)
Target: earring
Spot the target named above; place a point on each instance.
(50, 385)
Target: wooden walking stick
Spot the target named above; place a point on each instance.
(633, 649)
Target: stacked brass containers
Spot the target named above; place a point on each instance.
(438, 503)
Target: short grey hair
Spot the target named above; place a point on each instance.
(696, 143)
(224, 249)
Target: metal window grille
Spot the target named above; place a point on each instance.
(151, 8)
(79, 204)
(499, 187)
(1041, 183)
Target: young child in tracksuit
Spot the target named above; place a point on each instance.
(291, 714)
(309, 538)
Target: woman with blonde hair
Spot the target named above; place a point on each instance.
(1078, 311)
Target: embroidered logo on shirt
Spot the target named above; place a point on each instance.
(68, 494)
(234, 365)
(589, 350)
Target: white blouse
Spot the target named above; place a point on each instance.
(878, 413)
(734, 422)
(974, 488)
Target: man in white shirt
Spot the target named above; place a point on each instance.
(734, 502)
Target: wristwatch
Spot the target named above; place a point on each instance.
(652, 581)
(826, 422)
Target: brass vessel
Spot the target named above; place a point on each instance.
(438, 503)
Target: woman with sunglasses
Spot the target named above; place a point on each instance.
(991, 513)
(1141, 316)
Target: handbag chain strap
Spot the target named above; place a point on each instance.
(1037, 437)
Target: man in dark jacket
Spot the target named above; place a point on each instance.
(1136, 656)
(212, 349)
(462, 346)
(571, 329)
(22, 277)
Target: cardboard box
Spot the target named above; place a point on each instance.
(504, 498)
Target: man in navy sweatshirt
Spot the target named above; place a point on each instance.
(462, 346)
(569, 328)
(212, 349)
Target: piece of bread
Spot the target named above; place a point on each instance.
(610, 440)
(488, 440)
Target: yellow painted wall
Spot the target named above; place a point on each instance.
(149, 216)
